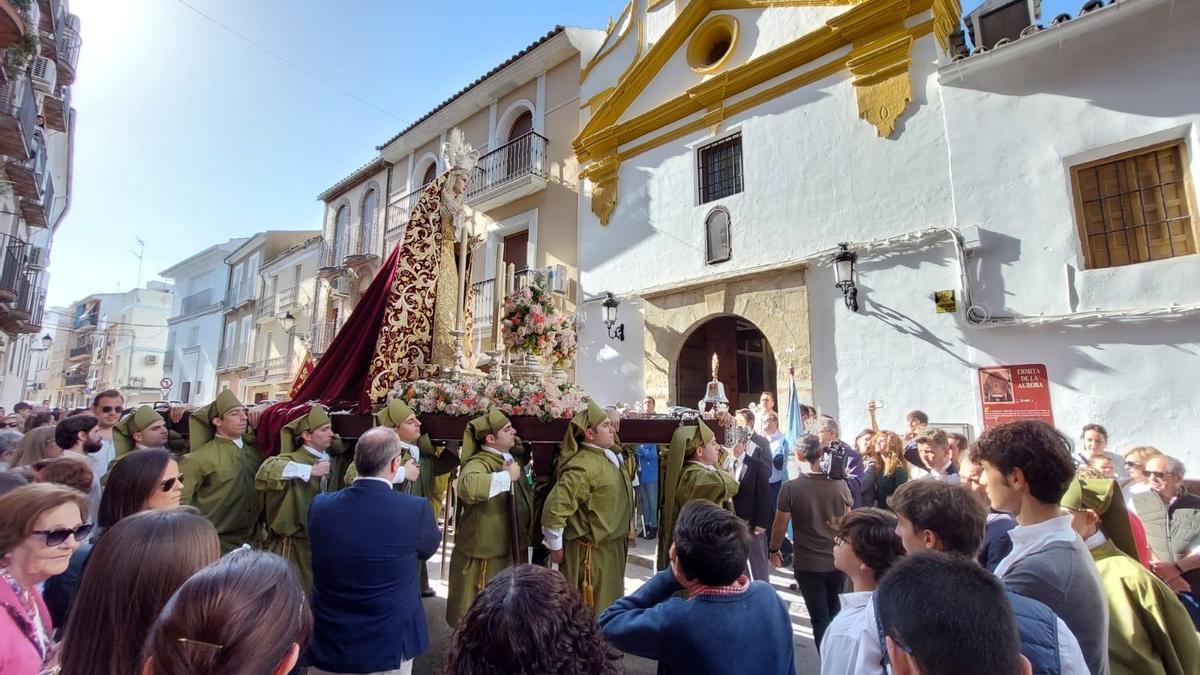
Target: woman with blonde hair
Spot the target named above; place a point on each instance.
(887, 452)
(1135, 464)
(37, 445)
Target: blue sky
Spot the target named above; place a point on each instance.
(188, 135)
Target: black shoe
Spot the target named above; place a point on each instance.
(652, 534)
(428, 593)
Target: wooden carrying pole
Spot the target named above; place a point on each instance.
(446, 522)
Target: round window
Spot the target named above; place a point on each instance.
(713, 43)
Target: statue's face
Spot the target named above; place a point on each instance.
(459, 183)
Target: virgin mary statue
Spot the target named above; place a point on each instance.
(403, 326)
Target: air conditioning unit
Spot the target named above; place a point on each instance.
(37, 258)
(151, 359)
(341, 285)
(45, 75)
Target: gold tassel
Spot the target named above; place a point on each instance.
(482, 577)
(588, 593)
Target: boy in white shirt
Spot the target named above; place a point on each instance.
(865, 546)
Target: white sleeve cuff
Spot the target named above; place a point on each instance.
(553, 538)
(399, 477)
(501, 482)
(297, 470)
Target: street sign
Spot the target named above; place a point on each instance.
(945, 302)
(166, 383)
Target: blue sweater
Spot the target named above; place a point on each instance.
(720, 634)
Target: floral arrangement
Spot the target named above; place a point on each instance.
(562, 347)
(545, 399)
(531, 324)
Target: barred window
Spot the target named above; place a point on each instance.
(1134, 207)
(720, 168)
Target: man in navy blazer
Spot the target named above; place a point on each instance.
(366, 540)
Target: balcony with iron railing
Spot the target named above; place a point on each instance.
(271, 369)
(400, 209)
(232, 357)
(287, 299)
(75, 379)
(196, 302)
(68, 43)
(13, 254)
(18, 119)
(80, 350)
(15, 23)
(483, 299)
(514, 170)
(240, 293)
(264, 308)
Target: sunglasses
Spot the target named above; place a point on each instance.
(170, 483)
(112, 409)
(1132, 465)
(1159, 474)
(57, 537)
(8, 425)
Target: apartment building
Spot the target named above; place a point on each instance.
(197, 318)
(283, 320)
(39, 40)
(523, 198)
(243, 290)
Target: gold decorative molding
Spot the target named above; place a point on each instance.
(882, 83)
(655, 4)
(603, 53)
(762, 4)
(598, 99)
(880, 52)
(603, 176)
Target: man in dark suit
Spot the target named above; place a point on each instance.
(752, 503)
(366, 541)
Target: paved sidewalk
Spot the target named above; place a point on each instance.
(637, 571)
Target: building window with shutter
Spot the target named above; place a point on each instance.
(718, 247)
(719, 168)
(1134, 207)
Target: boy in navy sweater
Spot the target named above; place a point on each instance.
(721, 622)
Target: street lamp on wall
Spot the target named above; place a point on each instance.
(844, 268)
(47, 341)
(609, 306)
(289, 326)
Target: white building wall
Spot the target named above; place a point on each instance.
(195, 358)
(815, 175)
(986, 143)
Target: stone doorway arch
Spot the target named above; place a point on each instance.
(747, 365)
(775, 302)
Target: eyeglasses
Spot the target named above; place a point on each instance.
(1160, 474)
(170, 483)
(112, 409)
(8, 425)
(57, 537)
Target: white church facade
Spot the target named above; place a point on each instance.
(1023, 214)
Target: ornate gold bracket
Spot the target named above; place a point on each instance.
(603, 175)
(882, 83)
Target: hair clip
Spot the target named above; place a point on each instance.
(199, 643)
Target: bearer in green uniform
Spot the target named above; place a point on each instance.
(220, 469)
(287, 483)
(144, 428)
(587, 514)
(490, 485)
(690, 472)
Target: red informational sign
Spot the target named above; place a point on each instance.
(1011, 393)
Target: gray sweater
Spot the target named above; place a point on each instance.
(1063, 577)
